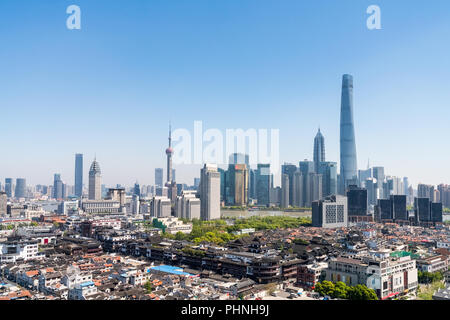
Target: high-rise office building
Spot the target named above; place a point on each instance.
(357, 201)
(383, 210)
(445, 195)
(95, 181)
(3, 203)
(57, 187)
(263, 183)
(79, 175)
(9, 187)
(405, 186)
(422, 209)
(237, 179)
(285, 189)
(252, 184)
(348, 157)
(314, 185)
(425, 191)
(399, 211)
(328, 170)
(188, 206)
(289, 170)
(312, 188)
(436, 212)
(137, 189)
(21, 188)
(363, 175)
(223, 184)
(370, 185)
(209, 191)
(298, 190)
(319, 150)
(159, 177)
(378, 175)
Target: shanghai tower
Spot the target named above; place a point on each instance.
(348, 174)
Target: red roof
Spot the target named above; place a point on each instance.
(391, 295)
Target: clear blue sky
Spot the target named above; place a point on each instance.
(111, 87)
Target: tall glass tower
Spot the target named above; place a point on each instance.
(78, 175)
(319, 150)
(348, 171)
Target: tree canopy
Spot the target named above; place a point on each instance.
(342, 291)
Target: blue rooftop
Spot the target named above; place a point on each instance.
(171, 269)
(87, 284)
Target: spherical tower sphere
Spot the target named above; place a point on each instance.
(169, 150)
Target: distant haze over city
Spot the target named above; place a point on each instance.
(232, 65)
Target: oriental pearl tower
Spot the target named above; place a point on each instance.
(169, 152)
(170, 184)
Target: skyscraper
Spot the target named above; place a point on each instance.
(328, 170)
(378, 174)
(284, 191)
(57, 187)
(3, 203)
(357, 201)
(319, 150)
(347, 140)
(159, 177)
(289, 170)
(95, 177)
(21, 188)
(137, 189)
(209, 191)
(237, 180)
(264, 182)
(78, 175)
(9, 187)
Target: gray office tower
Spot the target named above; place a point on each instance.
(378, 174)
(328, 170)
(9, 187)
(319, 150)
(78, 175)
(21, 188)
(159, 177)
(57, 187)
(289, 170)
(309, 183)
(347, 140)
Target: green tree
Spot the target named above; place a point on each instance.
(340, 290)
(149, 287)
(361, 292)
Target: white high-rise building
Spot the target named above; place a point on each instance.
(95, 181)
(209, 191)
(160, 207)
(188, 205)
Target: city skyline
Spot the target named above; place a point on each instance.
(265, 73)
